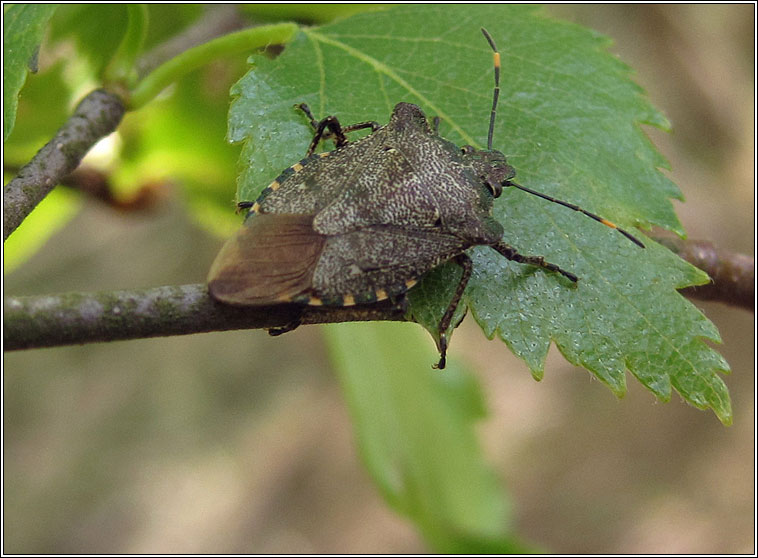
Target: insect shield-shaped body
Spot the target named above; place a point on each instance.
(365, 221)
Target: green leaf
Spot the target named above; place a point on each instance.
(23, 27)
(414, 430)
(569, 122)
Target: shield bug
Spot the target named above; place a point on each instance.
(365, 221)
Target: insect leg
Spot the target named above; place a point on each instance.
(362, 126)
(330, 128)
(351, 128)
(335, 130)
(307, 110)
(511, 253)
(294, 324)
(244, 205)
(465, 262)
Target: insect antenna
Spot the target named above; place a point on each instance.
(597, 218)
(496, 94)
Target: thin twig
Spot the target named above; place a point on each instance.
(76, 318)
(96, 116)
(732, 275)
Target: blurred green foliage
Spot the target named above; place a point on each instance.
(414, 427)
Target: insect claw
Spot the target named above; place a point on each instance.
(276, 331)
(442, 344)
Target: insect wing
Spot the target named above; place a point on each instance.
(374, 262)
(270, 260)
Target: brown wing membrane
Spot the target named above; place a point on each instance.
(271, 259)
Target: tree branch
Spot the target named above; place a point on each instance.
(732, 275)
(97, 115)
(75, 318)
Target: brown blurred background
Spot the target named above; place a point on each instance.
(237, 442)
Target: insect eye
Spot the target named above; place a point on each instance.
(496, 189)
